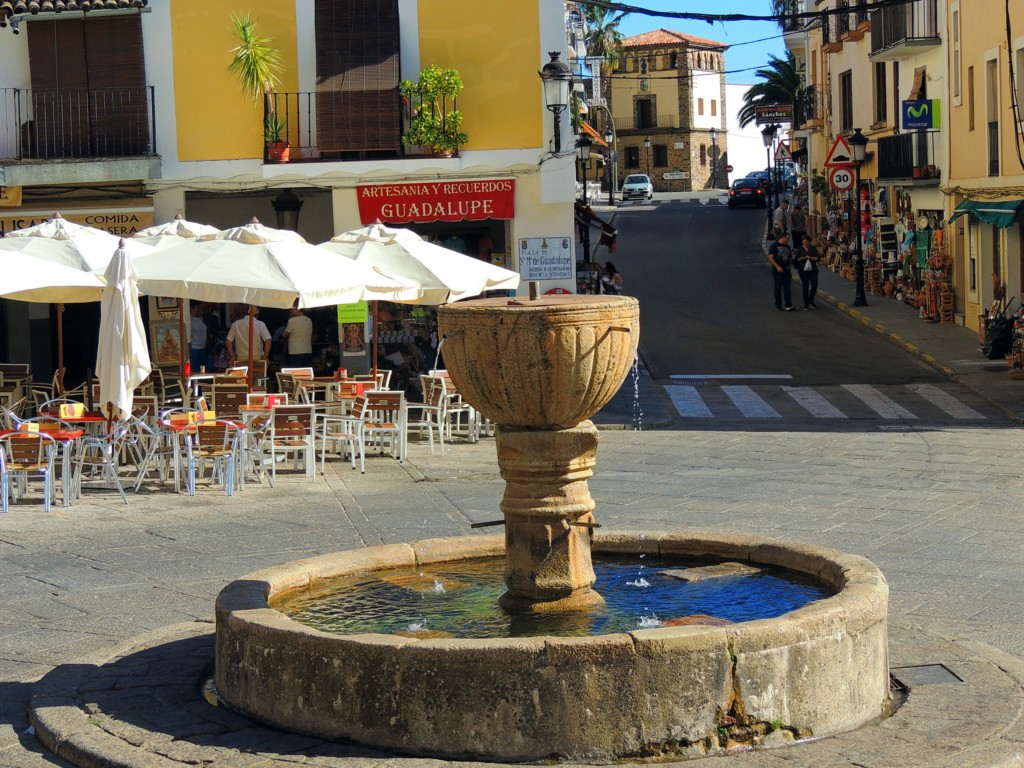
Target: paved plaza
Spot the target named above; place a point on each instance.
(938, 510)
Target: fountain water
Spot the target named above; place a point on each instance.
(540, 369)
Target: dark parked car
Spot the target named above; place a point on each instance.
(747, 192)
(764, 177)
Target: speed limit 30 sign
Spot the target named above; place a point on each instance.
(841, 179)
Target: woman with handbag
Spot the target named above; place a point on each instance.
(807, 267)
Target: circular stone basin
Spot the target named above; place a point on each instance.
(669, 691)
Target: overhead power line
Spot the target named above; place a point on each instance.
(712, 18)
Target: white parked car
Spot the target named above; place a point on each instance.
(639, 186)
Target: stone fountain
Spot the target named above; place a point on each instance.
(539, 369)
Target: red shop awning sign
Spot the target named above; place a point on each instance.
(437, 201)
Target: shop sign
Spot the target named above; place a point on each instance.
(474, 200)
(124, 222)
(778, 113)
(352, 313)
(545, 258)
(10, 197)
(921, 113)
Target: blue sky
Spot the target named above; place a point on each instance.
(748, 57)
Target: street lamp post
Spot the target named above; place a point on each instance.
(612, 164)
(714, 158)
(583, 153)
(858, 146)
(647, 146)
(556, 78)
(775, 167)
(768, 137)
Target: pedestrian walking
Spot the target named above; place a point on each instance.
(806, 260)
(798, 221)
(780, 255)
(782, 218)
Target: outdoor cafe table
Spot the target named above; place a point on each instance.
(180, 429)
(65, 440)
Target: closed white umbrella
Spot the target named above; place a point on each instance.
(122, 358)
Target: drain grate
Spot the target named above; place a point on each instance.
(924, 674)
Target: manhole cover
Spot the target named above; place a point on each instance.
(925, 674)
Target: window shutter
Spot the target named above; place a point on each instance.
(89, 96)
(358, 108)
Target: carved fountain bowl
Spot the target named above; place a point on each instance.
(550, 362)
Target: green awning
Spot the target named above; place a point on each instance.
(998, 214)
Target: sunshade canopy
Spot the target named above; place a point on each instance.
(46, 271)
(443, 274)
(1001, 214)
(275, 274)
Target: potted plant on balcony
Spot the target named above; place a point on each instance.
(434, 121)
(257, 65)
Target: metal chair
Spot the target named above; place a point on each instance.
(344, 430)
(291, 434)
(385, 421)
(26, 455)
(214, 442)
(432, 413)
(100, 456)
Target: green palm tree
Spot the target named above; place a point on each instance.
(603, 39)
(258, 66)
(779, 84)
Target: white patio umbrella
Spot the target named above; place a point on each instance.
(442, 274)
(178, 227)
(258, 266)
(51, 272)
(122, 357)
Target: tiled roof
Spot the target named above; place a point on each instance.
(12, 7)
(668, 37)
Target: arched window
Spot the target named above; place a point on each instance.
(673, 60)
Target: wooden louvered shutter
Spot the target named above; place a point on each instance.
(358, 108)
(89, 96)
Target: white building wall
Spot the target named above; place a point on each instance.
(746, 148)
(13, 74)
(707, 86)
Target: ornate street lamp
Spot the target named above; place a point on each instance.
(858, 146)
(583, 153)
(768, 137)
(714, 158)
(647, 146)
(556, 78)
(287, 206)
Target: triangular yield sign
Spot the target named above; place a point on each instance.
(840, 155)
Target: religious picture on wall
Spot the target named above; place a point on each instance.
(353, 339)
(166, 348)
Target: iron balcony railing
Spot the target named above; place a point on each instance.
(908, 156)
(48, 124)
(912, 23)
(638, 124)
(809, 106)
(993, 148)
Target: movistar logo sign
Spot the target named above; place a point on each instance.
(921, 114)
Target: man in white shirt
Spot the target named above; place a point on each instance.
(299, 333)
(238, 339)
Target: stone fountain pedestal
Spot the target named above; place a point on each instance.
(540, 369)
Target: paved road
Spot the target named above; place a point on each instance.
(937, 507)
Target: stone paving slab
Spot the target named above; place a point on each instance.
(145, 708)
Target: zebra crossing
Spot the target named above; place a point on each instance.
(916, 403)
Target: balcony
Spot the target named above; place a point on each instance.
(831, 33)
(901, 31)
(909, 157)
(638, 124)
(100, 123)
(810, 109)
